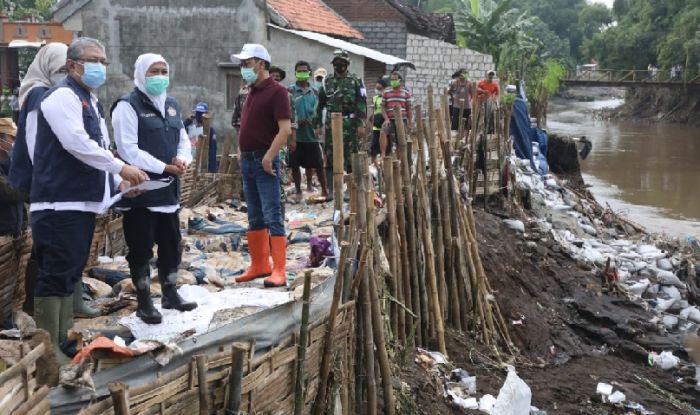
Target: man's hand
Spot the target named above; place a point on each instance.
(180, 164)
(317, 132)
(125, 185)
(267, 164)
(292, 144)
(361, 131)
(174, 170)
(133, 175)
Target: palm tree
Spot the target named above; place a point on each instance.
(488, 26)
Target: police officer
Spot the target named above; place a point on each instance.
(345, 93)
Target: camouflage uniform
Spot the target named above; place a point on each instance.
(345, 95)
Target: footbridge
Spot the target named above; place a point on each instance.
(633, 78)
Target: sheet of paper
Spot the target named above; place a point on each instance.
(146, 186)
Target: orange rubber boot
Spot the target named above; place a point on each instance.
(279, 262)
(259, 250)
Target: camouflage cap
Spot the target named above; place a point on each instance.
(341, 54)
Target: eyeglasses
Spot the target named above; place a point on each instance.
(105, 62)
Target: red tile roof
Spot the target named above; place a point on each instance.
(314, 16)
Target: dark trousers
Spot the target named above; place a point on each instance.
(465, 118)
(143, 228)
(61, 245)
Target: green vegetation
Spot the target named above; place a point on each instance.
(24, 9)
(660, 33)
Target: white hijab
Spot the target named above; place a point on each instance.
(141, 66)
(45, 66)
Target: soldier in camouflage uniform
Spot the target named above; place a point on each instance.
(345, 93)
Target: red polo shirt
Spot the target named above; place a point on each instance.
(266, 104)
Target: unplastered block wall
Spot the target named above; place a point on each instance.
(386, 37)
(436, 61)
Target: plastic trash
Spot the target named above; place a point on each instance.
(514, 397)
(467, 382)
(486, 403)
(665, 360)
(617, 397)
(604, 389)
(515, 224)
(536, 411)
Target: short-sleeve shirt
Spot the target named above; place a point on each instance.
(490, 87)
(267, 103)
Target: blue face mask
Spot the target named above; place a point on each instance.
(95, 74)
(248, 75)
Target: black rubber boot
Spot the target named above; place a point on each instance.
(141, 277)
(171, 299)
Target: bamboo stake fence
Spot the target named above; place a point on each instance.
(401, 282)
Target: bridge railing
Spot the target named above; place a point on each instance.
(634, 76)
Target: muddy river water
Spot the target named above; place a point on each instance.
(648, 171)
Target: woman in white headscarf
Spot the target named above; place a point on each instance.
(47, 70)
(149, 134)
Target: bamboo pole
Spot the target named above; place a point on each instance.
(320, 403)
(405, 269)
(434, 300)
(120, 397)
(202, 384)
(438, 240)
(376, 314)
(301, 347)
(454, 297)
(225, 154)
(398, 314)
(233, 405)
(338, 167)
(410, 216)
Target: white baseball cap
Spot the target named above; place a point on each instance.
(253, 50)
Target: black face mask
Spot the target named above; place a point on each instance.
(340, 68)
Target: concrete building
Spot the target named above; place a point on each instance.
(428, 40)
(198, 39)
(15, 35)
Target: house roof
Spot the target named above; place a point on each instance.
(314, 16)
(349, 47)
(433, 25)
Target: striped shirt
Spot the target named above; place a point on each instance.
(400, 97)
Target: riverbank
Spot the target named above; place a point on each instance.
(545, 259)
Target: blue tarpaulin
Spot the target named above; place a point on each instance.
(524, 136)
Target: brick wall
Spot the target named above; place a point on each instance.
(365, 10)
(436, 61)
(386, 37)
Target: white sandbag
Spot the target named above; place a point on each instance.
(647, 249)
(663, 305)
(514, 397)
(653, 289)
(669, 278)
(670, 322)
(604, 389)
(639, 287)
(672, 292)
(664, 264)
(691, 314)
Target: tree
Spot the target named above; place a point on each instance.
(28, 9)
(489, 25)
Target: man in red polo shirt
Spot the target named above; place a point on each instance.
(488, 88)
(265, 126)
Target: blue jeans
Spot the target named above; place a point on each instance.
(262, 195)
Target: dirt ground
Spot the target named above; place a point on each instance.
(572, 337)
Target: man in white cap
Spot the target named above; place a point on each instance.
(265, 126)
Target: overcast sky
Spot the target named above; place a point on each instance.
(608, 3)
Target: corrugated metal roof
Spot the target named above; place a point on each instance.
(341, 44)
